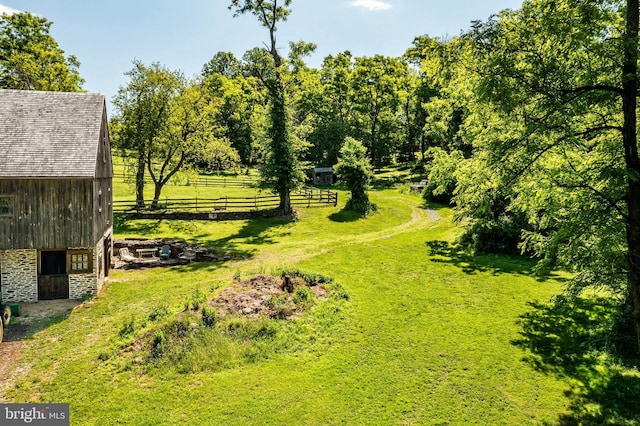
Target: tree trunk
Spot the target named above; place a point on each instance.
(156, 195)
(140, 179)
(630, 142)
(281, 148)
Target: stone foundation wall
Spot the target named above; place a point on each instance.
(19, 269)
(81, 285)
(19, 274)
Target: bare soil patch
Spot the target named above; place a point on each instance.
(32, 317)
(263, 295)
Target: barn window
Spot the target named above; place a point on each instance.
(5, 206)
(80, 261)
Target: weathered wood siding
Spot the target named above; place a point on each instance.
(103, 184)
(104, 166)
(103, 207)
(48, 214)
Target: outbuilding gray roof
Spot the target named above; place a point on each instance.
(49, 134)
(323, 170)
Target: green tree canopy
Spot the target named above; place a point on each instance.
(560, 80)
(162, 121)
(30, 58)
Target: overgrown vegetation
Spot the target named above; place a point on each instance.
(355, 171)
(199, 338)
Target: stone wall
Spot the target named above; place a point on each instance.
(19, 269)
(81, 285)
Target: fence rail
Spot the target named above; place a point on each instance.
(307, 197)
(205, 181)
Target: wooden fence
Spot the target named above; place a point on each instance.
(307, 197)
(205, 181)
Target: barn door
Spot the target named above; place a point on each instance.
(53, 281)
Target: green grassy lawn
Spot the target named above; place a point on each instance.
(429, 334)
(179, 186)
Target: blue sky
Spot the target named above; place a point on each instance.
(184, 34)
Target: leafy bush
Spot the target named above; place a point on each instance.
(245, 329)
(441, 179)
(303, 296)
(209, 316)
(197, 299)
(310, 278)
(502, 235)
(127, 328)
(159, 312)
(335, 290)
(158, 345)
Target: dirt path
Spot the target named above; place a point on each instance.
(420, 219)
(32, 318)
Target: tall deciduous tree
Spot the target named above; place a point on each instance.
(564, 75)
(376, 83)
(241, 101)
(281, 166)
(162, 120)
(30, 58)
(142, 111)
(185, 134)
(332, 109)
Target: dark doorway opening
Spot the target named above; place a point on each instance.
(53, 281)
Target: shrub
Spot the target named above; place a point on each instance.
(159, 312)
(303, 296)
(441, 180)
(127, 328)
(158, 345)
(209, 316)
(246, 329)
(197, 299)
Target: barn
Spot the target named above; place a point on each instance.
(323, 176)
(56, 217)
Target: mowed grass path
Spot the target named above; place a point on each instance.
(426, 337)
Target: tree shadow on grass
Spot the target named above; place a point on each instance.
(254, 232)
(345, 216)
(572, 339)
(446, 252)
(123, 225)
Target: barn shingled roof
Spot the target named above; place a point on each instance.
(49, 134)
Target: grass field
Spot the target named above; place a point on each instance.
(429, 335)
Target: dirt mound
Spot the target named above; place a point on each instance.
(264, 295)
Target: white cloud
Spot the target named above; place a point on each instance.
(372, 5)
(7, 10)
